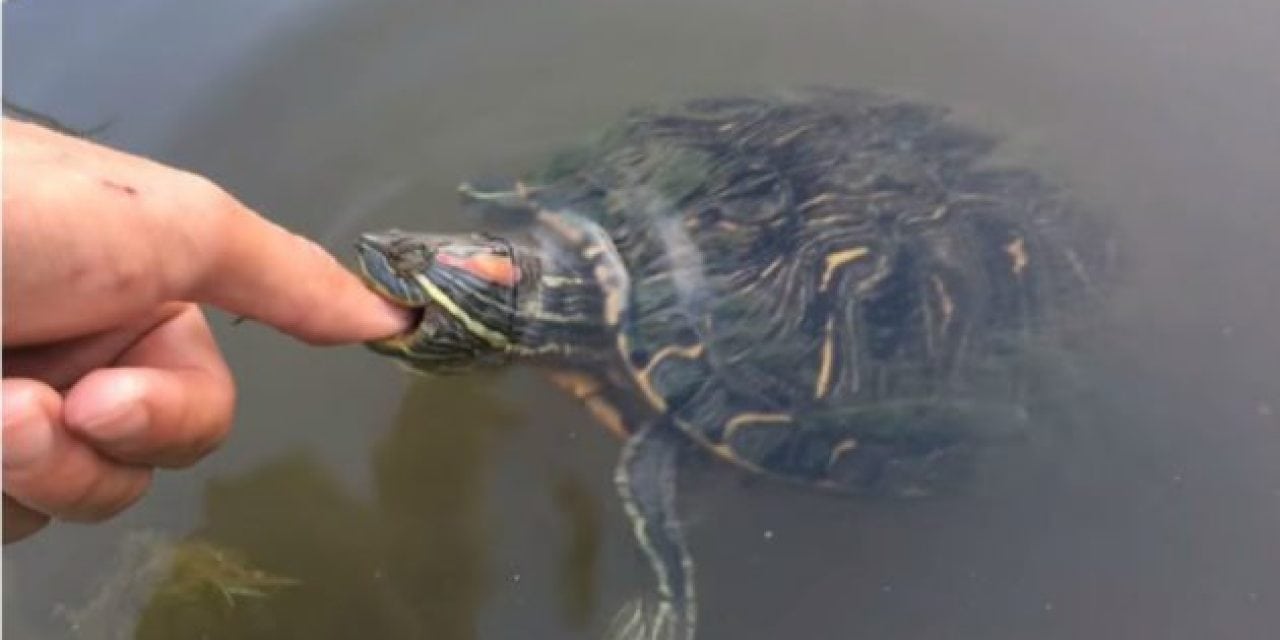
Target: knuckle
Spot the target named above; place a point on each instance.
(203, 190)
(86, 504)
(204, 234)
(209, 441)
(198, 444)
(81, 504)
(20, 520)
(111, 494)
(187, 456)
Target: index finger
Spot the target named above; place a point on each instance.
(262, 271)
(94, 236)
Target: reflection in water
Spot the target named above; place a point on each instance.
(1157, 517)
(581, 511)
(410, 565)
(430, 478)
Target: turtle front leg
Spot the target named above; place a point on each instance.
(646, 480)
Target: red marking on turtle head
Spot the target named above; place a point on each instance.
(489, 267)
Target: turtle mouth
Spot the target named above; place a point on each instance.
(381, 276)
(416, 317)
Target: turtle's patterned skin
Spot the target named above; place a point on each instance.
(834, 287)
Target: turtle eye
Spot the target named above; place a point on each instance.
(408, 258)
(491, 243)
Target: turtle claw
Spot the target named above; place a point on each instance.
(500, 201)
(639, 619)
(502, 192)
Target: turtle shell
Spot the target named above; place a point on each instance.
(838, 287)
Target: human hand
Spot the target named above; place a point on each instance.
(109, 367)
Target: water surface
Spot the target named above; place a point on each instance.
(482, 508)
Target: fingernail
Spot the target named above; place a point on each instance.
(28, 437)
(112, 412)
(113, 424)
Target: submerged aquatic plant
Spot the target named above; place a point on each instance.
(159, 578)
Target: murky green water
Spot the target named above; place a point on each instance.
(482, 507)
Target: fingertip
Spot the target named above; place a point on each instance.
(114, 492)
(30, 410)
(389, 319)
(333, 306)
(21, 521)
(372, 317)
(360, 317)
(27, 393)
(266, 272)
(108, 406)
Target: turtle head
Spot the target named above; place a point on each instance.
(463, 289)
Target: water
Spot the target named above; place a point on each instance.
(482, 508)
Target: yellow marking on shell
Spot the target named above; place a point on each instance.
(612, 296)
(474, 326)
(880, 273)
(643, 376)
(554, 281)
(1017, 251)
(816, 200)
(737, 421)
(833, 219)
(838, 259)
(727, 453)
(773, 266)
(559, 318)
(825, 361)
(684, 351)
(841, 448)
(947, 304)
(792, 135)
(937, 214)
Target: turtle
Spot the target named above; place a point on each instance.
(830, 286)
